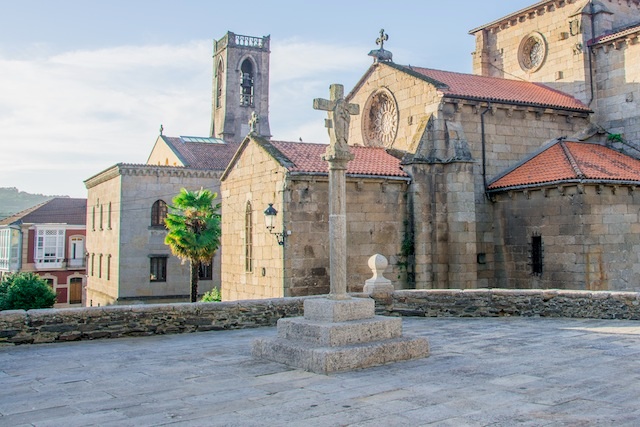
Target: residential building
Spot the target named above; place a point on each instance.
(49, 240)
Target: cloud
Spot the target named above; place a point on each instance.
(68, 116)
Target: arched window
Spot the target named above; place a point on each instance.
(158, 213)
(246, 83)
(219, 83)
(248, 238)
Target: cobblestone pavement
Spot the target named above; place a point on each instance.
(481, 372)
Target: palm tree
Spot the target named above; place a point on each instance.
(194, 230)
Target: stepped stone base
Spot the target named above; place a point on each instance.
(339, 335)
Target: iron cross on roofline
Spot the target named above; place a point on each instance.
(383, 38)
(340, 113)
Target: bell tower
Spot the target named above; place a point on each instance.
(240, 86)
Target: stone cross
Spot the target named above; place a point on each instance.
(337, 155)
(253, 123)
(340, 113)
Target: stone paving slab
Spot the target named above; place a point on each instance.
(481, 372)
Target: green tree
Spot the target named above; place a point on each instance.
(194, 230)
(24, 291)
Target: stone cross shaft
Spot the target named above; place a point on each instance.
(337, 155)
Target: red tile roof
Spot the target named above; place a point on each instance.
(202, 155)
(471, 86)
(571, 161)
(307, 158)
(635, 28)
(60, 210)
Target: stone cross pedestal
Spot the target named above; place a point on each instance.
(339, 333)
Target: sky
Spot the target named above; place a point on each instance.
(86, 84)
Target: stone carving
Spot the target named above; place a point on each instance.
(339, 112)
(378, 283)
(380, 121)
(532, 52)
(253, 123)
(337, 155)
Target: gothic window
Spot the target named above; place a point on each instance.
(219, 83)
(93, 218)
(536, 255)
(380, 122)
(109, 267)
(101, 216)
(158, 213)
(248, 238)
(158, 269)
(532, 52)
(100, 266)
(246, 83)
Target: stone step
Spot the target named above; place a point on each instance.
(333, 334)
(329, 310)
(324, 360)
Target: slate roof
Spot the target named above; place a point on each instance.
(214, 155)
(471, 86)
(60, 210)
(569, 161)
(307, 158)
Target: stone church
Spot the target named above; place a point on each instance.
(523, 174)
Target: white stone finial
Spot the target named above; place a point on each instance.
(378, 283)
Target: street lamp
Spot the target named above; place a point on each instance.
(269, 220)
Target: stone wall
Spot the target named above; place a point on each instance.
(252, 259)
(590, 236)
(618, 88)
(376, 212)
(73, 324)
(564, 31)
(504, 303)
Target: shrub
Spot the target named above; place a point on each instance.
(212, 296)
(24, 291)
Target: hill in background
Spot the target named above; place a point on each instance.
(13, 201)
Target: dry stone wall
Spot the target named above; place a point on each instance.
(73, 324)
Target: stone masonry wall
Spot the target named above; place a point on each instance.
(74, 324)
(376, 213)
(590, 236)
(252, 268)
(503, 302)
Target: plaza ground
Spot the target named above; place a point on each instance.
(481, 372)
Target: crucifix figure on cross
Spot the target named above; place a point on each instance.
(340, 112)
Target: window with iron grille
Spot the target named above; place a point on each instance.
(536, 255)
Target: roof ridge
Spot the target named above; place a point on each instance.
(572, 160)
